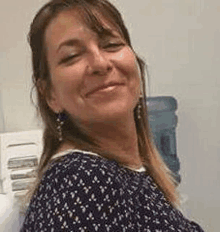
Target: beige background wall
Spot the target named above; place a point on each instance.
(180, 40)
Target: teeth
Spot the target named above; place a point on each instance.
(109, 87)
(104, 88)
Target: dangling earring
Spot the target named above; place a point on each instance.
(60, 122)
(139, 107)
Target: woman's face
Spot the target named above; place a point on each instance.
(94, 79)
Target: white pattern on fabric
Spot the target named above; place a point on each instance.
(81, 192)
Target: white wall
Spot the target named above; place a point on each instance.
(15, 64)
(180, 42)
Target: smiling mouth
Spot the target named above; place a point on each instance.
(104, 88)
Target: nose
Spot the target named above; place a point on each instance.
(98, 62)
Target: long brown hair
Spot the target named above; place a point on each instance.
(71, 131)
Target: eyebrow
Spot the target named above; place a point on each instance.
(72, 42)
(69, 42)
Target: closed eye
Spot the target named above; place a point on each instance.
(68, 59)
(113, 46)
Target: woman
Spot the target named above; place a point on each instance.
(99, 170)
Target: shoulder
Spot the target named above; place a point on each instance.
(75, 189)
(79, 161)
(79, 166)
(81, 179)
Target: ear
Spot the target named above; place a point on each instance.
(49, 95)
(53, 101)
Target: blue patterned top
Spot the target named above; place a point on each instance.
(83, 192)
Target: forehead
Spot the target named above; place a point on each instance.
(71, 22)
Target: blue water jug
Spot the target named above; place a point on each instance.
(163, 122)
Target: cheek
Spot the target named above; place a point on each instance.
(131, 71)
(134, 78)
(128, 66)
(67, 80)
(127, 63)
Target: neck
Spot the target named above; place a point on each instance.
(119, 139)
